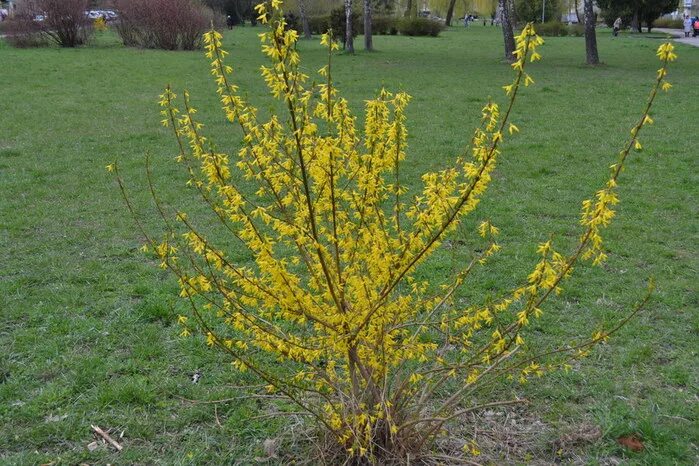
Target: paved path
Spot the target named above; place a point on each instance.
(678, 34)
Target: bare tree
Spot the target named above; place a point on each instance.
(590, 34)
(368, 43)
(349, 38)
(304, 19)
(507, 33)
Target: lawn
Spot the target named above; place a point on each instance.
(87, 322)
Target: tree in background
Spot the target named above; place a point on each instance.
(239, 10)
(368, 45)
(304, 19)
(507, 34)
(411, 9)
(532, 10)
(590, 35)
(636, 12)
(450, 12)
(349, 36)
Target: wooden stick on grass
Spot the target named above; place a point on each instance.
(106, 436)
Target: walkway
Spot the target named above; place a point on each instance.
(678, 34)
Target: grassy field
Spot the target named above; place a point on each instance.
(86, 321)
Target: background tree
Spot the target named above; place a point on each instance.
(577, 11)
(304, 19)
(590, 34)
(368, 45)
(507, 34)
(636, 12)
(531, 10)
(349, 36)
(654, 9)
(411, 9)
(450, 12)
(239, 10)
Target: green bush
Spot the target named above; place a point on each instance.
(668, 23)
(552, 29)
(420, 27)
(319, 24)
(559, 29)
(577, 30)
(293, 22)
(382, 25)
(337, 22)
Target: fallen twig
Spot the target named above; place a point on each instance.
(228, 400)
(106, 436)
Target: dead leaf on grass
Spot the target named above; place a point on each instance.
(631, 442)
(92, 446)
(582, 434)
(270, 446)
(52, 418)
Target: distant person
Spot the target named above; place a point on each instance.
(695, 26)
(466, 18)
(229, 21)
(687, 25)
(617, 26)
(492, 19)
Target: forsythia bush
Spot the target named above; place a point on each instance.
(329, 313)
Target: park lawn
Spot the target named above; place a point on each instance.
(87, 331)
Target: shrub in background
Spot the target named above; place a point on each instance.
(337, 23)
(668, 23)
(552, 28)
(293, 21)
(577, 30)
(63, 23)
(559, 29)
(420, 27)
(327, 306)
(319, 24)
(383, 25)
(22, 31)
(162, 24)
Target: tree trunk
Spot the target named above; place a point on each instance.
(636, 22)
(590, 35)
(368, 45)
(304, 19)
(507, 34)
(577, 12)
(349, 38)
(649, 25)
(409, 8)
(450, 12)
(512, 13)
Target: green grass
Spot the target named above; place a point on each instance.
(86, 321)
